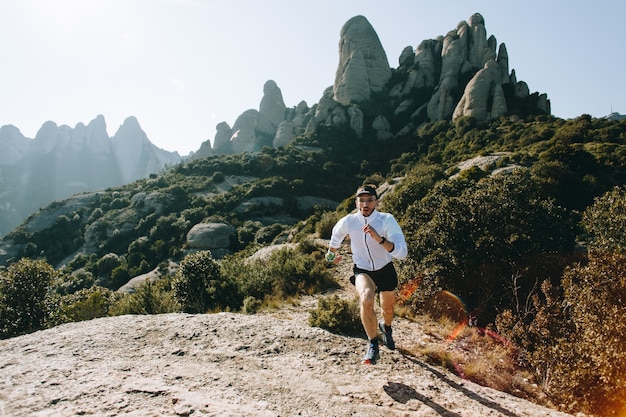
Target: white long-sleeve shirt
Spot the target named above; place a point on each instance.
(367, 253)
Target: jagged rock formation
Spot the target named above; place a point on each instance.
(253, 129)
(222, 139)
(271, 110)
(483, 97)
(464, 73)
(459, 74)
(61, 161)
(244, 137)
(136, 156)
(363, 66)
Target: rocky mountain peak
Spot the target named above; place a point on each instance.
(462, 73)
(363, 66)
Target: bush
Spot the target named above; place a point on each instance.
(573, 335)
(605, 222)
(200, 287)
(149, 298)
(337, 315)
(592, 366)
(85, 304)
(251, 305)
(324, 226)
(266, 234)
(218, 177)
(286, 272)
(23, 290)
(470, 236)
(294, 273)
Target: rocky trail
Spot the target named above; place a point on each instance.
(230, 364)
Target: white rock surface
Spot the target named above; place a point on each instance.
(228, 364)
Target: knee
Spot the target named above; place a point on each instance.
(367, 298)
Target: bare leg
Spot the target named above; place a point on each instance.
(387, 303)
(367, 296)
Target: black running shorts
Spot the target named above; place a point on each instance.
(386, 278)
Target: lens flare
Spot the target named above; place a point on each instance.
(408, 288)
(457, 330)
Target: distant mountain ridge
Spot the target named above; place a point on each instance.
(61, 161)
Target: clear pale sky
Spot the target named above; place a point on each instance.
(183, 66)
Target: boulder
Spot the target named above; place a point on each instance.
(210, 236)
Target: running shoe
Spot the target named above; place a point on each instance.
(372, 355)
(387, 337)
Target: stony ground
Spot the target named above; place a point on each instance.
(228, 364)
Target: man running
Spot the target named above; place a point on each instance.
(375, 238)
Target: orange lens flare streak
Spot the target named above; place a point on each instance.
(457, 330)
(408, 288)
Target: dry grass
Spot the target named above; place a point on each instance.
(475, 354)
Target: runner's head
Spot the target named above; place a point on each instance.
(366, 199)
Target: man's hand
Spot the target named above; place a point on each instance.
(369, 230)
(333, 257)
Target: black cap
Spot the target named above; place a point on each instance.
(366, 189)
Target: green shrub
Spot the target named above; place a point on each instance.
(148, 298)
(295, 273)
(336, 315)
(471, 236)
(199, 286)
(286, 272)
(266, 234)
(23, 290)
(84, 304)
(251, 305)
(324, 226)
(573, 337)
(218, 177)
(592, 365)
(605, 222)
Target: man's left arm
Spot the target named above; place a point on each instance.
(395, 243)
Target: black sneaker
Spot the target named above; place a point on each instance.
(372, 355)
(387, 337)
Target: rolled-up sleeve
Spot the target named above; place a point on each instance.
(395, 235)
